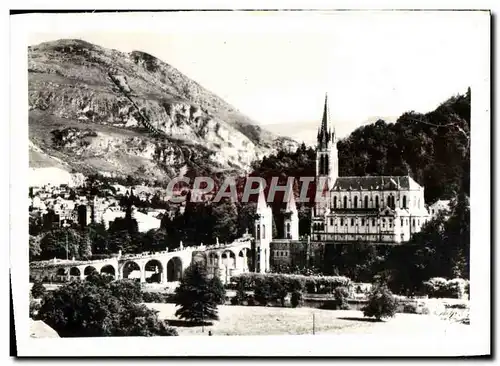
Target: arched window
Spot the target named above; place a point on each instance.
(288, 227)
(366, 201)
(356, 202)
(362, 222)
(404, 202)
(377, 205)
(352, 222)
(263, 231)
(258, 232)
(335, 202)
(345, 202)
(326, 165)
(341, 222)
(321, 160)
(373, 222)
(419, 203)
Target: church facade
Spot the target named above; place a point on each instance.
(376, 209)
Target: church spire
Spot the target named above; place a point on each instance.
(290, 205)
(325, 133)
(325, 123)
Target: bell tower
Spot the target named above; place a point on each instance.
(327, 166)
(263, 234)
(291, 221)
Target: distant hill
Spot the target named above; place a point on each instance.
(94, 109)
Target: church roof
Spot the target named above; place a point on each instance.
(388, 183)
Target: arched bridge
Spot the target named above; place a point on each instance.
(224, 260)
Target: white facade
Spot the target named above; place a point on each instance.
(291, 220)
(263, 234)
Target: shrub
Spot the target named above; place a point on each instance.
(296, 298)
(289, 283)
(439, 287)
(128, 289)
(410, 308)
(93, 309)
(156, 297)
(38, 290)
(341, 295)
(251, 301)
(381, 303)
(34, 308)
(263, 294)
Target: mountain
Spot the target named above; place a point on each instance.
(94, 109)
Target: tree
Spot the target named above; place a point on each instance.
(55, 243)
(85, 246)
(225, 219)
(197, 296)
(381, 303)
(97, 308)
(35, 249)
(38, 289)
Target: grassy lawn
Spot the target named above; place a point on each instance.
(256, 320)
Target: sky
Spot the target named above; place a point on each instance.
(277, 67)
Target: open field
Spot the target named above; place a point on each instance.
(256, 320)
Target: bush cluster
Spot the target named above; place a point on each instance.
(381, 303)
(270, 288)
(290, 283)
(439, 287)
(100, 307)
(38, 290)
(157, 297)
(339, 302)
(296, 299)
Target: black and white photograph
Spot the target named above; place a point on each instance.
(251, 183)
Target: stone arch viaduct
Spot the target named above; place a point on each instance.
(224, 260)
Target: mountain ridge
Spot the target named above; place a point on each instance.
(125, 97)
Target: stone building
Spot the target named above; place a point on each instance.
(375, 209)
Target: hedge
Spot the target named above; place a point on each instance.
(285, 283)
(439, 287)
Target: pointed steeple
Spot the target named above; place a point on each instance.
(325, 132)
(261, 203)
(325, 122)
(290, 205)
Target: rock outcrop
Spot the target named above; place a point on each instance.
(110, 108)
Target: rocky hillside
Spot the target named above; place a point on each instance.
(99, 110)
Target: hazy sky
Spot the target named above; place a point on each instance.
(276, 67)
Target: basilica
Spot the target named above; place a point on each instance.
(376, 209)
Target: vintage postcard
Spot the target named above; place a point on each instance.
(251, 183)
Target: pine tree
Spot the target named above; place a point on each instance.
(198, 296)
